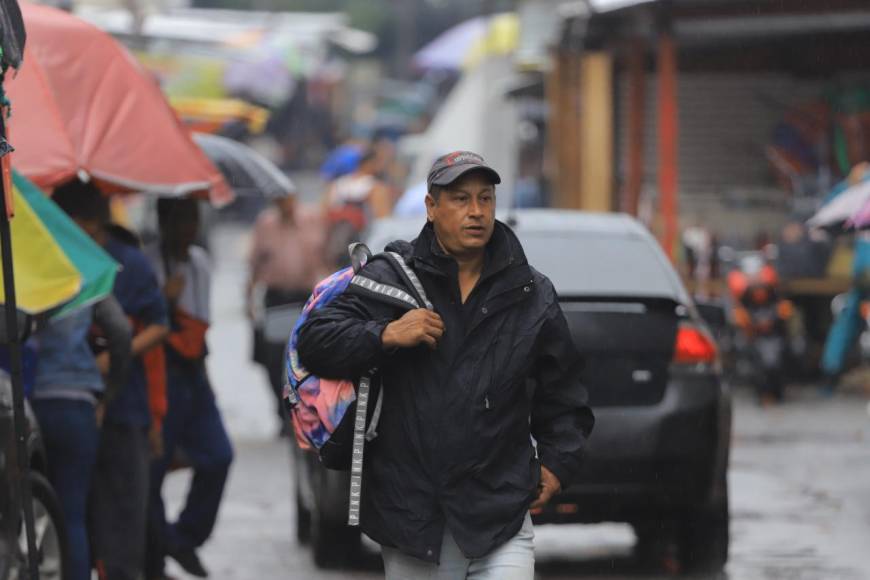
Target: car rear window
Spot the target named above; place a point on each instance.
(579, 263)
(600, 265)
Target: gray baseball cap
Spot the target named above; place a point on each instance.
(448, 168)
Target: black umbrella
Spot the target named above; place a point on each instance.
(12, 33)
(12, 37)
(248, 173)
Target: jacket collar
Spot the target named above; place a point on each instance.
(502, 252)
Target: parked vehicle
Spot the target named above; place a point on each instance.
(659, 454)
(760, 315)
(51, 535)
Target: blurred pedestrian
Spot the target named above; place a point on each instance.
(351, 203)
(131, 429)
(701, 260)
(342, 160)
(450, 479)
(849, 321)
(69, 399)
(193, 422)
(847, 326)
(286, 259)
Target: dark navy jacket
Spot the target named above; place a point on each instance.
(137, 291)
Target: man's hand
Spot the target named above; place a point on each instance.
(155, 441)
(100, 414)
(103, 363)
(419, 326)
(547, 488)
(174, 287)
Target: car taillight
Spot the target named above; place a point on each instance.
(694, 345)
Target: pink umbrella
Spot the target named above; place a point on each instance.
(82, 106)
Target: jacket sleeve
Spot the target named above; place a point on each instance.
(111, 319)
(343, 340)
(561, 420)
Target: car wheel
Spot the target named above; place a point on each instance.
(705, 539)
(334, 544)
(302, 493)
(51, 540)
(655, 548)
(303, 521)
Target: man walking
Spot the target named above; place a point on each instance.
(287, 259)
(483, 413)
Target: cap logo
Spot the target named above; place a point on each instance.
(463, 157)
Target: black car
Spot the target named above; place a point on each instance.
(658, 457)
(49, 525)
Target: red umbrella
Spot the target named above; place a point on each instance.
(82, 106)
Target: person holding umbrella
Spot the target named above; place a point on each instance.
(846, 328)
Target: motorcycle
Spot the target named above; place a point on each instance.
(759, 317)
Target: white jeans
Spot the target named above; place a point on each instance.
(514, 560)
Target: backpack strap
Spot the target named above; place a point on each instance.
(410, 278)
(385, 292)
(360, 433)
(358, 448)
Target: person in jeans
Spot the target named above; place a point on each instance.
(484, 416)
(69, 397)
(131, 430)
(193, 422)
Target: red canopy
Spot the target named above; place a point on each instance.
(82, 105)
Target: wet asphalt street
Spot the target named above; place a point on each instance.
(799, 480)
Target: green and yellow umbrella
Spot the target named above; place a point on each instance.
(58, 267)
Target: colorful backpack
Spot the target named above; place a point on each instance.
(332, 417)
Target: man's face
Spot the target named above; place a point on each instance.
(179, 229)
(185, 232)
(93, 228)
(464, 214)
